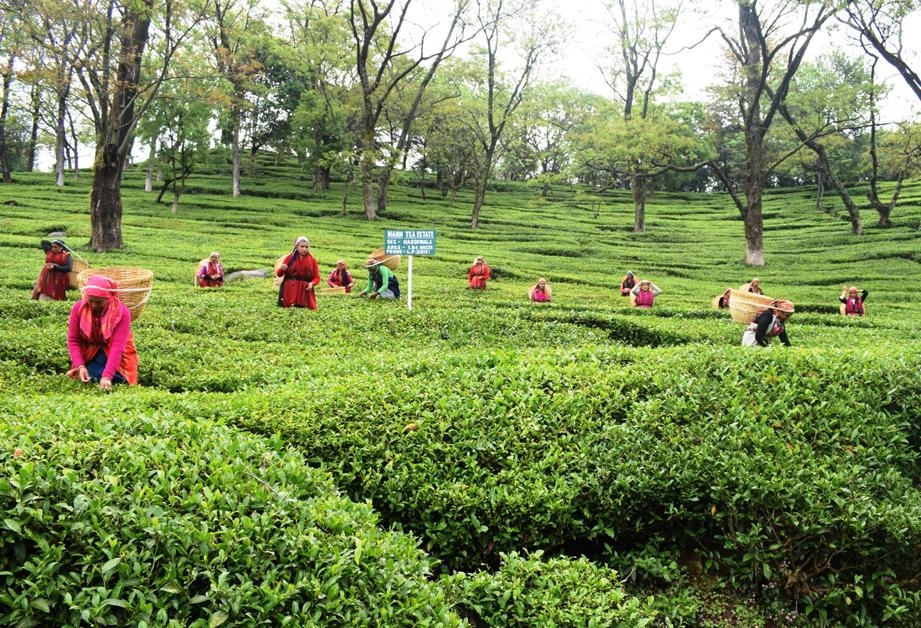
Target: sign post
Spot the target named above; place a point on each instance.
(409, 242)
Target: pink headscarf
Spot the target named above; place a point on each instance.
(100, 286)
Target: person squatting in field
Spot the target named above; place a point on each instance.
(768, 324)
(211, 273)
(627, 284)
(382, 283)
(540, 292)
(852, 301)
(645, 293)
(299, 274)
(99, 337)
(340, 277)
(478, 274)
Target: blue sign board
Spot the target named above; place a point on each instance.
(409, 242)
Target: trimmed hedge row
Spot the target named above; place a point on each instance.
(118, 517)
(776, 466)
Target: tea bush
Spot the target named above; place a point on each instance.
(531, 591)
(743, 486)
(123, 518)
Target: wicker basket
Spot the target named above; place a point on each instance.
(134, 285)
(78, 267)
(332, 290)
(743, 306)
(390, 261)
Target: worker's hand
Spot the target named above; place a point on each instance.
(309, 287)
(283, 267)
(49, 266)
(83, 374)
(105, 384)
(373, 295)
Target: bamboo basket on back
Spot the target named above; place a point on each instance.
(78, 267)
(134, 285)
(390, 261)
(743, 306)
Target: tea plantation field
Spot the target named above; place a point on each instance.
(475, 460)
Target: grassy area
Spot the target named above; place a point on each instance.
(558, 464)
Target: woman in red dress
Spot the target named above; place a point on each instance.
(53, 280)
(478, 274)
(340, 277)
(299, 274)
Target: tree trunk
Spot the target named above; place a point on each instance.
(60, 137)
(4, 118)
(639, 204)
(320, 178)
(114, 139)
(36, 120)
(235, 147)
(383, 188)
(479, 196)
(852, 209)
(367, 174)
(106, 200)
(753, 177)
(819, 189)
(148, 177)
(76, 159)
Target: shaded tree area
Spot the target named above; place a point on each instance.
(767, 50)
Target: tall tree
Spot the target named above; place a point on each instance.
(56, 28)
(642, 29)
(501, 93)
(617, 150)
(175, 125)
(11, 43)
(318, 43)
(827, 99)
(768, 53)
(453, 37)
(235, 24)
(109, 69)
(880, 30)
(540, 146)
(382, 65)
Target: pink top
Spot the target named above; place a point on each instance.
(82, 347)
(644, 298)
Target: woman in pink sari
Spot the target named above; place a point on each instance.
(211, 273)
(99, 337)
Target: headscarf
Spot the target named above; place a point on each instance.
(782, 305)
(215, 254)
(100, 286)
(294, 252)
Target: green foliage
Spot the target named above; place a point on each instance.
(532, 591)
(733, 485)
(197, 525)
